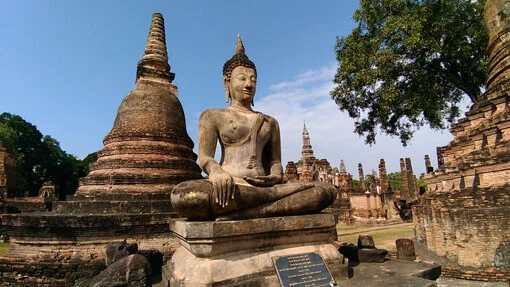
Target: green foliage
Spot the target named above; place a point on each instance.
(421, 181)
(25, 141)
(90, 158)
(396, 179)
(356, 183)
(408, 63)
(40, 159)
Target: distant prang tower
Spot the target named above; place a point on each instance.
(307, 160)
(307, 151)
(148, 150)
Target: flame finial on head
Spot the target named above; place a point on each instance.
(239, 45)
(239, 59)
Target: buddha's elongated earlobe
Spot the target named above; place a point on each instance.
(227, 95)
(227, 92)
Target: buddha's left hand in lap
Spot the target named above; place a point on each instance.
(264, 180)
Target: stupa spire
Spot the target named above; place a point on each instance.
(342, 167)
(154, 62)
(305, 130)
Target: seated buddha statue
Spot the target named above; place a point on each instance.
(247, 182)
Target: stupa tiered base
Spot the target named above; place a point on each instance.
(48, 249)
(241, 253)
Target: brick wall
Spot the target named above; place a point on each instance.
(469, 228)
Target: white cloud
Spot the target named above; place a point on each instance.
(321, 74)
(306, 98)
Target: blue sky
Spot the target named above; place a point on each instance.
(65, 66)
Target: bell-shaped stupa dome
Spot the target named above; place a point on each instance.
(148, 150)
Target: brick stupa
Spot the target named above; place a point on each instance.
(148, 150)
(464, 214)
(126, 195)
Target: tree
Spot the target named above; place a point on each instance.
(40, 158)
(408, 63)
(25, 141)
(63, 169)
(90, 158)
(396, 179)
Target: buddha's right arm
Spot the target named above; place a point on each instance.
(207, 139)
(209, 165)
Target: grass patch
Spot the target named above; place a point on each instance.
(4, 247)
(340, 228)
(383, 239)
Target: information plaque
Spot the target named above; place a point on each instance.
(303, 270)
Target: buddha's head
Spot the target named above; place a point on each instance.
(239, 75)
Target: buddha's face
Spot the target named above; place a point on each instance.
(242, 84)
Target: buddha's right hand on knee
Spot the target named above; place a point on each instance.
(223, 187)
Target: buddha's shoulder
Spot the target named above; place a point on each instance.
(212, 113)
(270, 119)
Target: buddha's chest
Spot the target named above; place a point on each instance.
(239, 130)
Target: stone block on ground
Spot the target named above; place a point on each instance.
(132, 270)
(393, 273)
(118, 250)
(405, 249)
(372, 255)
(350, 251)
(366, 241)
(155, 259)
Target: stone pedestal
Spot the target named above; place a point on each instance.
(240, 253)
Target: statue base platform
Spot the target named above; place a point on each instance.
(241, 253)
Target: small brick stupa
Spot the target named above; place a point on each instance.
(464, 213)
(126, 195)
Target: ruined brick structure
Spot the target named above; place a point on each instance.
(342, 206)
(324, 171)
(412, 182)
(305, 166)
(307, 151)
(361, 177)
(343, 181)
(428, 165)
(126, 195)
(309, 168)
(365, 200)
(291, 171)
(386, 193)
(371, 200)
(10, 179)
(464, 213)
(383, 178)
(43, 202)
(405, 193)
